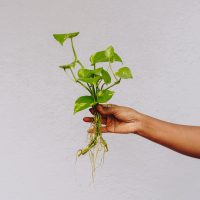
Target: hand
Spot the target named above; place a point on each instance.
(116, 119)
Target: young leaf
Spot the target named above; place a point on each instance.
(98, 57)
(83, 102)
(84, 73)
(117, 58)
(104, 95)
(90, 80)
(87, 73)
(71, 35)
(124, 73)
(62, 37)
(71, 65)
(106, 76)
(109, 52)
(97, 71)
(105, 56)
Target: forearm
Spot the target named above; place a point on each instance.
(181, 138)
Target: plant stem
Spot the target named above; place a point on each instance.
(84, 86)
(75, 55)
(76, 80)
(73, 74)
(79, 62)
(76, 60)
(115, 83)
(94, 91)
(102, 86)
(112, 71)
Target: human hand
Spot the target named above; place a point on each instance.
(116, 119)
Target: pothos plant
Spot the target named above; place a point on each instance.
(97, 81)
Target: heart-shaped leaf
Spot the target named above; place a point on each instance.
(62, 37)
(106, 76)
(117, 58)
(109, 52)
(104, 95)
(98, 57)
(105, 56)
(68, 66)
(97, 71)
(85, 73)
(124, 73)
(71, 35)
(90, 80)
(83, 102)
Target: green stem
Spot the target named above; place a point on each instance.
(73, 74)
(75, 55)
(115, 83)
(76, 58)
(76, 80)
(94, 91)
(79, 62)
(102, 86)
(84, 86)
(112, 71)
(97, 86)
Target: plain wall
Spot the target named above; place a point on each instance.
(39, 135)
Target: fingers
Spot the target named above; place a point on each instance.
(103, 129)
(88, 119)
(107, 109)
(91, 119)
(91, 110)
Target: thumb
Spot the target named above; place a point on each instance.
(106, 109)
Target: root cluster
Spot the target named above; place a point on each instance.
(97, 146)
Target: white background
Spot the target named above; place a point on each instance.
(39, 135)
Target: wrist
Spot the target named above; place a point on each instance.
(141, 123)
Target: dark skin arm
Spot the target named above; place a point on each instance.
(123, 120)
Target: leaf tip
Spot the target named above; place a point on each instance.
(75, 111)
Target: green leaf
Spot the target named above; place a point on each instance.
(68, 66)
(109, 52)
(106, 76)
(105, 56)
(62, 37)
(97, 71)
(85, 73)
(104, 95)
(124, 73)
(117, 58)
(83, 102)
(98, 57)
(72, 35)
(91, 80)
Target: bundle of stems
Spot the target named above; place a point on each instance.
(97, 81)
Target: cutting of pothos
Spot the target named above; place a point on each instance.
(98, 80)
